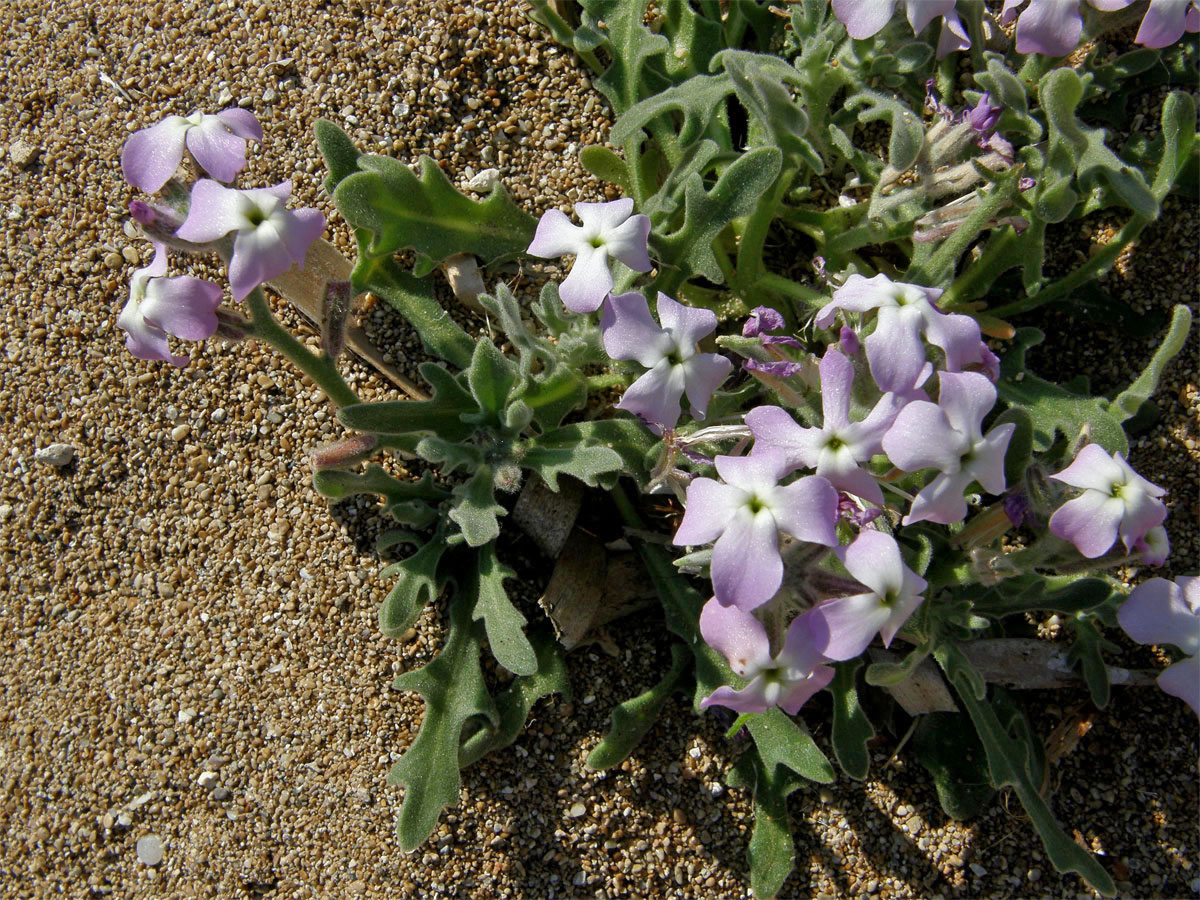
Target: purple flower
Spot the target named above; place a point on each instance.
(1155, 546)
(983, 116)
(1166, 20)
(668, 352)
(745, 516)
(268, 238)
(217, 143)
(787, 680)
(182, 306)
(864, 18)
(837, 448)
(1051, 27)
(780, 368)
(1161, 612)
(894, 593)
(609, 229)
(948, 436)
(905, 313)
(1115, 500)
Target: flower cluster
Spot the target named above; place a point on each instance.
(252, 230)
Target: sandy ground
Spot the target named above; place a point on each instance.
(188, 646)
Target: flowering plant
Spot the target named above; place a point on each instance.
(872, 473)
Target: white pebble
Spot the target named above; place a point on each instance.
(57, 455)
(179, 432)
(149, 850)
(577, 810)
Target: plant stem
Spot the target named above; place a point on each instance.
(1093, 268)
(607, 380)
(781, 284)
(321, 369)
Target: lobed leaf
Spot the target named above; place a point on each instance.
(442, 414)
(502, 621)
(417, 585)
(476, 511)
(1130, 400)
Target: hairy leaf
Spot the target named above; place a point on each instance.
(946, 744)
(1130, 400)
(503, 623)
(341, 156)
(417, 585)
(442, 414)
(476, 511)
(851, 727)
(454, 692)
(426, 214)
(632, 719)
(628, 438)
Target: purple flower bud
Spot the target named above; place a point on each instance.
(984, 116)
(343, 454)
(848, 339)
(780, 369)
(1018, 509)
(762, 319)
(1026, 183)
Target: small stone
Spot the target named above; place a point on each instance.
(221, 794)
(186, 716)
(978, 869)
(577, 810)
(270, 95)
(21, 153)
(483, 181)
(5, 511)
(114, 260)
(207, 780)
(131, 256)
(149, 850)
(57, 455)
(124, 819)
(179, 432)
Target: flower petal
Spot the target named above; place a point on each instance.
(685, 324)
(219, 152)
(737, 635)
(837, 380)
(1090, 522)
(966, 397)
(774, 429)
(941, 500)
(921, 12)
(655, 396)
(749, 699)
(214, 211)
(798, 693)
(183, 306)
(1093, 469)
(922, 437)
(1156, 613)
(864, 18)
(241, 122)
(710, 507)
(852, 623)
(627, 242)
(630, 332)
(604, 217)
(1182, 680)
(1049, 27)
(987, 463)
(300, 228)
(555, 236)
(151, 156)
(589, 281)
(808, 509)
(746, 566)
(702, 375)
(258, 256)
(1163, 23)
(142, 339)
(894, 349)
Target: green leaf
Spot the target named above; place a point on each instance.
(699, 101)
(587, 463)
(783, 742)
(417, 585)
(707, 212)
(637, 67)
(1019, 455)
(503, 623)
(607, 166)
(1060, 92)
(413, 298)
(886, 674)
(492, 377)
(1065, 595)
(1052, 409)
(426, 214)
(760, 82)
(337, 484)
(1009, 765)
(772, 850)
(450, 456)
(454, 692)
(1088, 653)
(1179, 137)
(341, 156)
(946, 744)
(908, 134)
(1130, 400)
(628, 438)
(632, 719)
(851, 727)
(514, 702)
(476, 511)
(442, 414)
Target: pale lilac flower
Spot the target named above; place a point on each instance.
(268, 238)
(948, 436)
(745, 516)
(609, 229)
(893, 594)
(1166, 20)
(1115, 500)
(182, 306)
(1051, 27)
(668, 352)
(905, 312)
(217, 143)
(1162, 612)
(1155, 546)
(787, 680)
(839, 446)
(864, 18)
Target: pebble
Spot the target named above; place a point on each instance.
(577, 810)
(149, 850)
(180, 432)
(22, 153)
(207, 780)
(218, 415)
(57, 455)
(484, 181)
